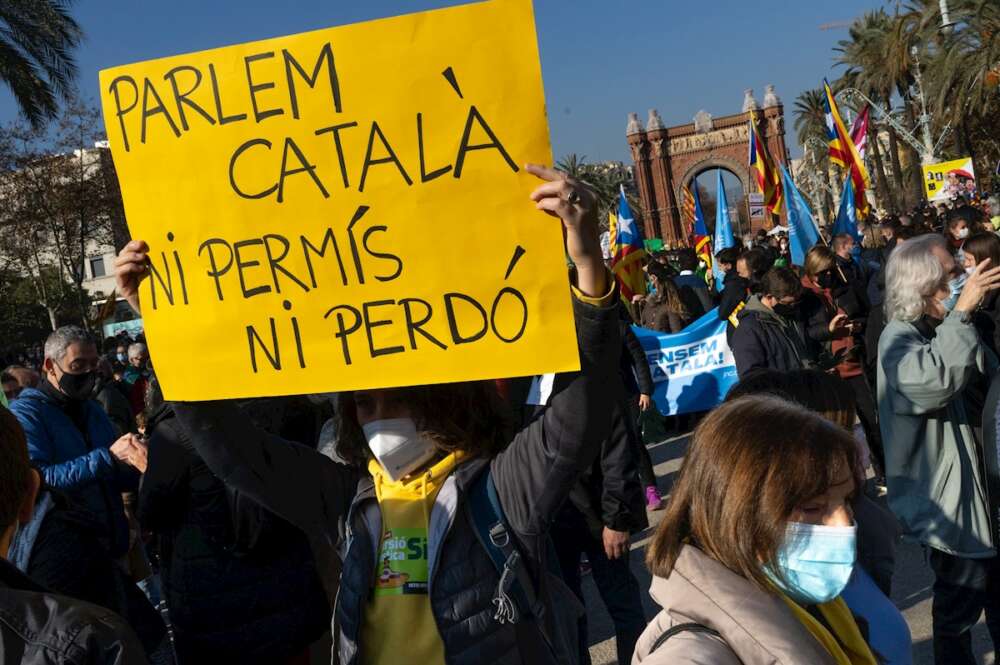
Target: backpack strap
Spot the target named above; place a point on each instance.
(681, 628)
(516, 597)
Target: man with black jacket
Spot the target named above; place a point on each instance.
(605, 507)
(38, 627)
(735, 286)
(770, 334)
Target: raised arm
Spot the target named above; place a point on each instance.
(536, 472)
(931, 374)
(296, 483)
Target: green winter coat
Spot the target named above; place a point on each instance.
(934, 463)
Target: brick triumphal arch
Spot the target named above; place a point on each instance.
(668, 158)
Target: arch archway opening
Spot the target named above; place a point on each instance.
(736, 197)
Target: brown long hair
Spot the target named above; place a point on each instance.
(468, 416)
(751, 463)
(667, 291)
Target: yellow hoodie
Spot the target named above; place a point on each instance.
(398, 623)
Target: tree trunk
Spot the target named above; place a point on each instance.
(888, 200)
(917, 179)
(897, 168)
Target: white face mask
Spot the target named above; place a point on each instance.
(398, 446)
(963, 233)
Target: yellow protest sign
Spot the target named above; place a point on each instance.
(345, 208)
(946, 180)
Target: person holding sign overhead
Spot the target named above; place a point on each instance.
(436, 502)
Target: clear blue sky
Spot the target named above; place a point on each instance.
(600, 58)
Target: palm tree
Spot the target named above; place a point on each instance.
(966, 67)
(864, 54)
(37, 38)
(606, 179)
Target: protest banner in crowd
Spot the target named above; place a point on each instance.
(345, 208)
(945, 180)
(693, 369)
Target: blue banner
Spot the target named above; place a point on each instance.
(693, 369)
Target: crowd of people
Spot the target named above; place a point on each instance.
(452, 523)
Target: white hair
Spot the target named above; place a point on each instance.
(136, 349)
(61, 339)
(913, 275)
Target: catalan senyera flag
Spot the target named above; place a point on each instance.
(687, 210)
(765, 170)
(627, 251)
(844, 153)
(702, 240)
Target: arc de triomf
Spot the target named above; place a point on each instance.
(668, 158)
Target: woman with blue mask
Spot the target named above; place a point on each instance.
(758, 543)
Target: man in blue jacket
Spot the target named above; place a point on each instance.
(71, 439)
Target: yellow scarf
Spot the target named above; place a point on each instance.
(398, 623)
(848, 647)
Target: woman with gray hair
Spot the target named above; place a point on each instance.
(937, 469)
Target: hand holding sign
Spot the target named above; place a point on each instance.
(575, 203)
(345, 208)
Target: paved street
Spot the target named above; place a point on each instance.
(911, 583)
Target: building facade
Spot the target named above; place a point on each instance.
(666, 159)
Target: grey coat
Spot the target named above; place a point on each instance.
(755, 627)
(934, 465)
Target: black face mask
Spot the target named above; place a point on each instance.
(785, 311)
(78, 387)
(827, 279)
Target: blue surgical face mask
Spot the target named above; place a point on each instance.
(815, 562)
(955, 286)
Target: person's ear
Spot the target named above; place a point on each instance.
(28, 505)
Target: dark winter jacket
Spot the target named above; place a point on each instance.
(116, 405)
(734, 291)
(255, 608)
(75, 458)
(986, 318)
(609, 493)
(60, 548)
(765, 340)
(533, 475)
(819, 307)
(853, 271)
(40, 628)
(634, 364)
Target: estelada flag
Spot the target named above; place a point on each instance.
(844, 153)
(627, 251)
(765, 170)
